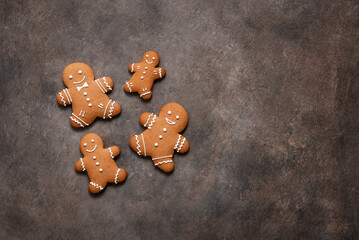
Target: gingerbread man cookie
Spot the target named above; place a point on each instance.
(99, 163)
(162, 137)
(87, 95)
(145, 73)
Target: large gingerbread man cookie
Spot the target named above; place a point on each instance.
(145, 73)
(99, 163)
(162, 137)
(87, 95)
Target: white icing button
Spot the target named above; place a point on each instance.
(160, 136)
(142, 77)
(80, 71)
(146, 68)
(97, 163)
(93, 140)
(144, 73)
(85, 93)
(146, 55)
(70, 76)
(90, 105)
(177, 117)
(153, 58)
(94, 157)
(156, 144)
(85, 144)
(87, 99)
(164, 129)
(169, 112)
(100, 170)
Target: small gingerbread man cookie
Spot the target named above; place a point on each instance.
(144, 75)
(99, 163)
(87, 95)
(162, 137)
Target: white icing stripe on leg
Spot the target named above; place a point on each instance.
(143, 94)
(111, 153)
(138, 146)
(169, 156)
(80, 119)
(111, 109)
(118, 170)
(83, 166)
(74, 120)
(148, 119)
(129, 87)
(132, 67)
(62, 99)
(66, 96)
(107, 85)
(163, 162)
(104, 113)
(96, 185)
(152, 122)
(144, 146)
(184, 139)
(68, 93)
(99, 86)
(178, 141)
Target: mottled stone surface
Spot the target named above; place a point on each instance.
(272, 92)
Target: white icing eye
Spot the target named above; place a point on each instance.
(85, 144)
(169, 112)
(94, 157)
(177, 117)
(93, 140)
(80, 71)
(146, 55)
(153, 58)
(70, 76)
(164, 129)
(156, 144)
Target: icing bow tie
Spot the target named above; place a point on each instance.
(83, 86)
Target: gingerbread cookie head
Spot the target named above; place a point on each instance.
(151, 58)
(90, 142)
(175, 115)
(77, 73)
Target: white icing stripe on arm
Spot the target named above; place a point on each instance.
(107, 85)
(83, 166)
(159, 71)
(66, 96)
(144, 146)
(132, 67)
(99, 86)
(178, 141)
(62, 99)
(68, 93)
(129, 87)
(152, 122)
(118, 170)
(179, 149)
(111, 153)
(138, 146)
(111, 109)
(148, 119)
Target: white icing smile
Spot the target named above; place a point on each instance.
(92, 149)
(80, 81)
(170, 122)
(148, 62)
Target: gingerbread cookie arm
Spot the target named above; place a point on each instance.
(159, 72)
(80, 165)
(114, 151)
(64, 97)
(148, 119)
(182, 145)
(105, 84)
(133, 67)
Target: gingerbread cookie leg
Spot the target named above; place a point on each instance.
(138, 145)
(96, 187)
(110, 109)
(81, 119)
(165, 163)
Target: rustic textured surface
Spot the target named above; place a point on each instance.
(272, 92)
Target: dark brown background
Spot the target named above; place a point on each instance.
(271, 88)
